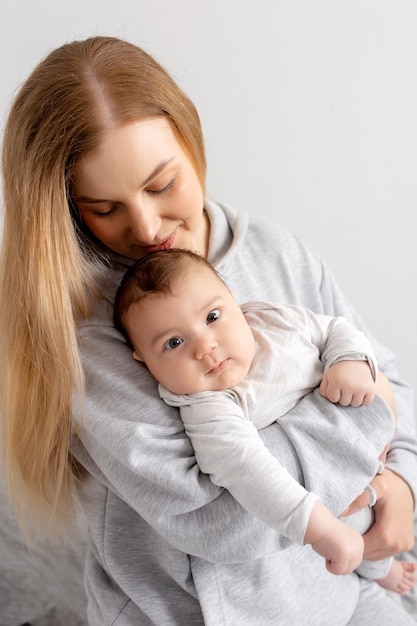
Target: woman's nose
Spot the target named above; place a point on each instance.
(144, 223)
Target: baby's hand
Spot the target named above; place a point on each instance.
(348, 383)
(342, 549)
(340, 545)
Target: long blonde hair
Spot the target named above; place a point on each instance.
(48, 267)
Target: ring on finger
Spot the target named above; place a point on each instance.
(372, 495)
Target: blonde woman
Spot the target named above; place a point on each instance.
(103, 162)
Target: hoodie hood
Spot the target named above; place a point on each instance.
(228, 228)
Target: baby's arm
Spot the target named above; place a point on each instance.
(340, 545)
(351, 376)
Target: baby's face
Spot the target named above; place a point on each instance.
(195, 339)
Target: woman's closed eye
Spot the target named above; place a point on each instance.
(98, 209)
(108, 212)
(162, 190)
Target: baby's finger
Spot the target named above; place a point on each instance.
(346, 398)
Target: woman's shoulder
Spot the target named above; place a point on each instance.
(270, 235)
(274, 236)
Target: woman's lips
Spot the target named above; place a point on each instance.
(162, 245)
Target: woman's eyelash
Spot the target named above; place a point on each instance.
(151, 191)
(105, 213)
(164, 189)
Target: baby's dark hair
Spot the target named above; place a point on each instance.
(150, 275)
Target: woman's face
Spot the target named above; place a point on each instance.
(138, 191)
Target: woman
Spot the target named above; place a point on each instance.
(103, 162)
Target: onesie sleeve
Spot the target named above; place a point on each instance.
(336, 338)
(228, 448)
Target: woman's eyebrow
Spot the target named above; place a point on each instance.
(157, 170)
(88, 200)
(147, 180)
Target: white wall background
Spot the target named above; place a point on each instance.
(310, 116)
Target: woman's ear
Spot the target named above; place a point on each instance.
(137, 356)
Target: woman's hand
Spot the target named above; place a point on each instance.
(392, 531)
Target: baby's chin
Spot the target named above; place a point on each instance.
(227, 375)
(225, 380)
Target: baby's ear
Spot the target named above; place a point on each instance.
(137, 356)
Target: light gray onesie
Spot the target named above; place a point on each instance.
(294, 347)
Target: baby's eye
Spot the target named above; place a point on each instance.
(173, 343)
(213, 316)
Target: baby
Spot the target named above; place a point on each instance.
(214, 360)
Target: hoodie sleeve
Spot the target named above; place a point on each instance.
(135, 446)
(402, 456)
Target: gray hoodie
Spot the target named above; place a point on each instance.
(167, 547)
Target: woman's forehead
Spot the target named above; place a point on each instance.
(136, 150)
